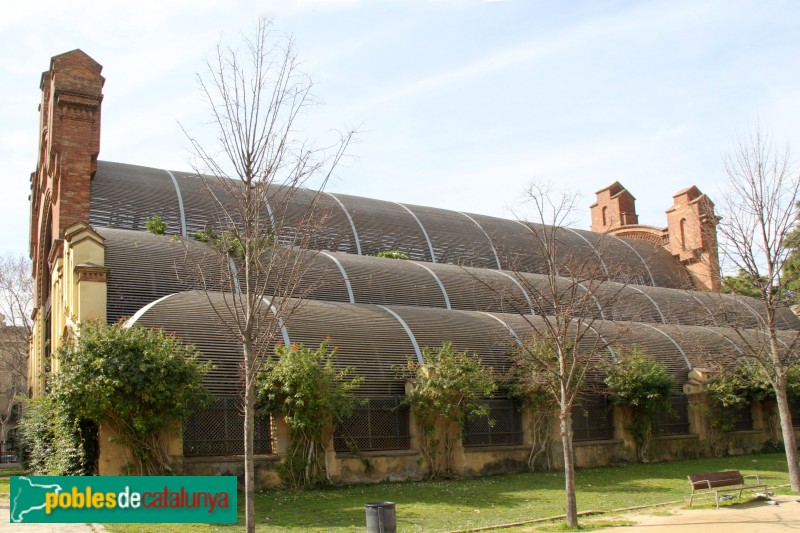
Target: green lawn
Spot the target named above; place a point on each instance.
(5, 478)
(449, 505)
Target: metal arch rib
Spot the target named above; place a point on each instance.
(599, 258)
(344, 276)
(350, 219)
(408, 332)
(140, 313)
(608, 345)
(698, 300)
(652, 280)
(438, 282)
(509, 328)
(522, 289)
(712, 330)
(640, 291)
(753, 312)
(234, 274)
(284, 331)
(425, 233)
(491, 244)
(596, 301)
(688, 364)
(270, 213)
(180, 202)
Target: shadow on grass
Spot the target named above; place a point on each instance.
(456, 504)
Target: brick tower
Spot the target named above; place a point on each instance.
(69, 142)
(690, 235)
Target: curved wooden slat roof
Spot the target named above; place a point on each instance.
(374, 339)
(125, 196)
(145, 267)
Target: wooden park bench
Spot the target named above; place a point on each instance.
(716, 482)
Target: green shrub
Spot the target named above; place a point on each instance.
(156, 225)
(730, 392)
(643, 384)
(139, 380)
(303, 385)
(232, 242)
(52, 441)
(392, 254)
(448, 388)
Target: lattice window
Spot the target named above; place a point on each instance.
(7, 451)
(219, 430)
(379, 424)
(675, 423)
(744, 419)
(507, 428)
(593, 419)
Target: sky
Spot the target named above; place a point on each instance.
(459, 104)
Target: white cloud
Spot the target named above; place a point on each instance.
(643, 20)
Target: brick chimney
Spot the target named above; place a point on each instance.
(615, 207)
(69, 142)
(692, 229)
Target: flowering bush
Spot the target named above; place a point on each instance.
(449, 387)
(304, 386)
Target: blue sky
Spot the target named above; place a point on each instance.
(460, 103)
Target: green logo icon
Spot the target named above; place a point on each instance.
(129, 499)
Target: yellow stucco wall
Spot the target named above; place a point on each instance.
(77, 294)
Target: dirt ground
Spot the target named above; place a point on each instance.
(751, 517)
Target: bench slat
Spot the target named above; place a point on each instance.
(716, 479)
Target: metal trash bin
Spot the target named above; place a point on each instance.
(381, 517)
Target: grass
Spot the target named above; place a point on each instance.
(5, 478)
(461, 504)
(585, 525)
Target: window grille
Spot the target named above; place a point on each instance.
(744, 419)
(7, 451)
(593, 419)
(507, 429)
(219, 430)
(675, 423)
(378, 424)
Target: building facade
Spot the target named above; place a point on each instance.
(470, 280)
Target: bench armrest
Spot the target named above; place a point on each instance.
(707, 482)
(758, 481)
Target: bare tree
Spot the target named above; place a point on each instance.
(759, 211)
(565, 347)
(255, 97)
(16, 305)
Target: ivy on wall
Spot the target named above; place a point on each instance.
(138, 380)
(448, 388)
(304, 387)
(644, 385)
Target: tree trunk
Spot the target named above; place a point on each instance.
(789, 440)
(569, 468)
(249, 425)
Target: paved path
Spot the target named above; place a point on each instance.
(6, 526)
(752, 517)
